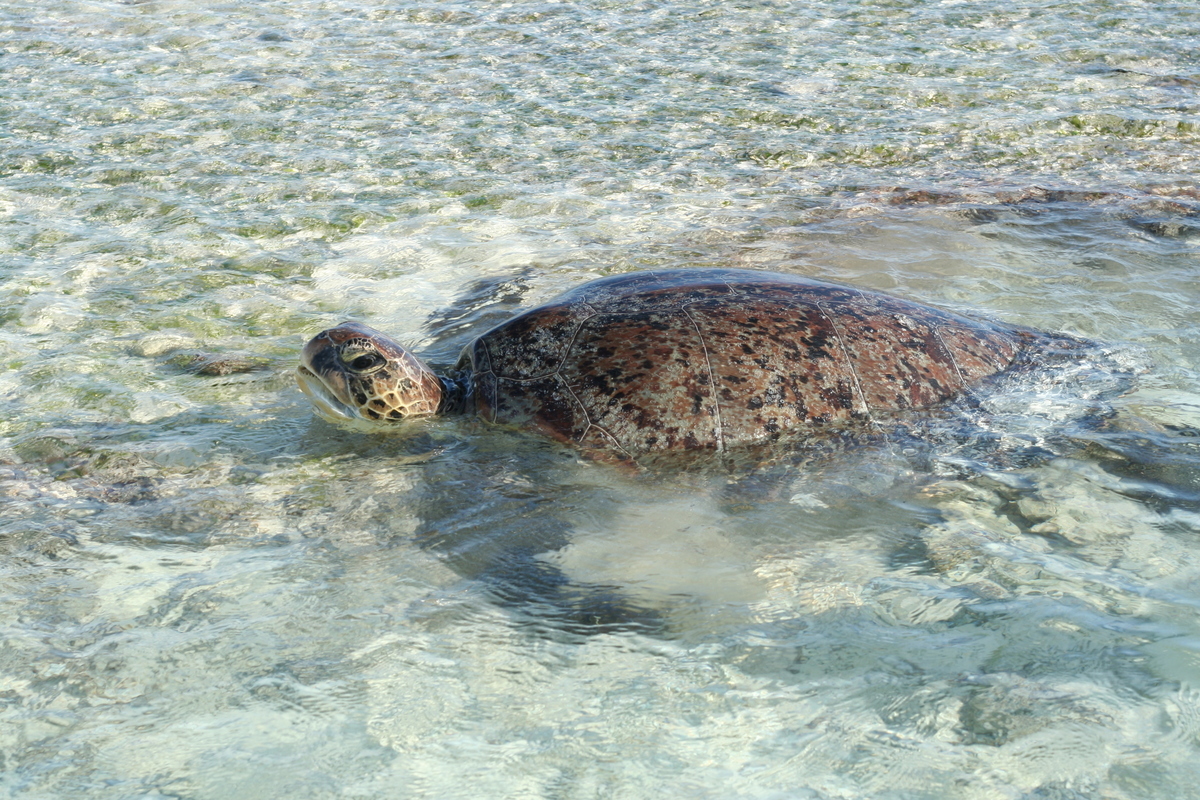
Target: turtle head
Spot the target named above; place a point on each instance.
(353, 373)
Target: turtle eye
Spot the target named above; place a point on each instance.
(366, 362)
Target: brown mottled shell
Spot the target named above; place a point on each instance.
(714, 358)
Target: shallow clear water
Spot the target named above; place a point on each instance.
(206, 593)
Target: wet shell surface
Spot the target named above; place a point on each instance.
(688, 359)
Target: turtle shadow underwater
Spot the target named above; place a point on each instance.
(572, 547)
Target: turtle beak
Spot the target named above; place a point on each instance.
(324, 385)
(326, 403)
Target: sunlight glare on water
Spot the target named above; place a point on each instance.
(209, 593)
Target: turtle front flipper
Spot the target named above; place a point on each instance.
(542, 594)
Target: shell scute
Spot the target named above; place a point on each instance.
(643, 379)
(899, 360)
(542, 403)
(533, 344)
(980, 350)
(775, 365)
(812, 291)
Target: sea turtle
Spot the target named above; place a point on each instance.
(674, 359)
